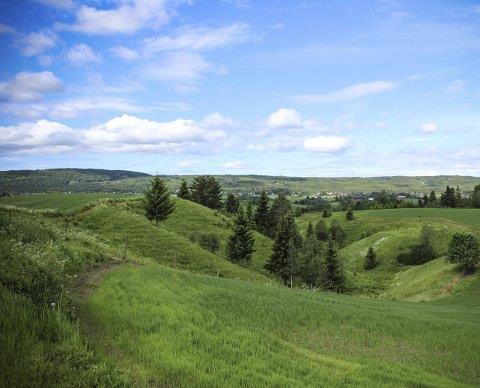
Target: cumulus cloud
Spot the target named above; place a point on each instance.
(36, 43)
(284, 118)
(27, 86)
(428, 128)
(128, 17)
(216, 120)
(349, 93)
(125, 53)
(325, 144)
(82, 54)
(177, 67)
(198, 38)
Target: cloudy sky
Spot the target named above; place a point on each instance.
(313, 88)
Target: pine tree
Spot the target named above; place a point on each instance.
(158, 205)
(214, 193)
(199, 190)
(476, 197)
(326, 213)
(333, 278)
(249, 215)
(283, 259)
(232, 203)
(280, 208)
(310, 232)
(370, 259)
(321, 231)
(432, 199)
(240, 243)
(183, 192)
(261, 214)
(458, 197)
(337, 233)
(349, 215)
(311, 261)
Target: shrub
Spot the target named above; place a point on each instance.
(464, 249)
(370, 260)
(419, 253)
(209, 241)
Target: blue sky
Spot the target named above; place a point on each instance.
(313, 88)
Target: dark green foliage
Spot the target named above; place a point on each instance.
(370, 259)
(333, 278)
(249, 217)
(261, 214)
(232, 203)
(476, 197)
(432, 199)
(311, 261)
(283, 259)
(420, 253)
(448, 197)
(321, 231)
(464, 249)
(337, 233)
(183, 192)
(281, 207)
(209, 241)
(310, 232)
(206, 191)
(326, 213)
(240, 243)
(158, 205)
(349, 215)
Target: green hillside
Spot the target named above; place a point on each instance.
(186, 329)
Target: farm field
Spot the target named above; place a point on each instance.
(61, 201)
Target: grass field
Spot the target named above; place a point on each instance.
(179, 329)
(62, 202)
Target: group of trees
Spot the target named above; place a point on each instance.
(204, 190)
(452, 197)
(419, 253)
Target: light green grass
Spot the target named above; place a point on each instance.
(63, 202)
(174, 328)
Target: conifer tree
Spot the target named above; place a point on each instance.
(158, 205)
(337, 233)
(476, 197)
(432, 199)
(232, 203)
(321, 231)
(370, 259)
(310, 232)
(311, 261)
(249, 215)
(283, 259)
(326, 213)
(349, 215)
(214, 193)
(280, 207)
(183, 192)
(240, 243)
(333, 278)
(261, 213)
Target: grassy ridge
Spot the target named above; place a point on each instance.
(187, 329)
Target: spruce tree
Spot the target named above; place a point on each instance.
(283, 259)
(240, 243)
(183, 192)
(280, 208)
(333, 278)
(370, 259)
(337, 233)
(349, 215)
(214, 193)
(311, 261)
(261, 213)
(158, 205)
(321, 231)
(476, 197)
(432, 199)
(310, 232)
(199, 190)
(326, 213)
(231, 204)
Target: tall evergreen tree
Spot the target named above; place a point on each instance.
(310, 261)
(206, 191)
(476, 196)
(333, 278)
(249, 215)
(232, 204)
(280, 208)
(337, 233)
(158, 205)
(432, 199)
(349, 215)
(370, 259)
(261, 214)
(199, 190)
(310, 232)
(240, 243)
(458, 197)
(321, 231)
(183, 192)
(283, 259)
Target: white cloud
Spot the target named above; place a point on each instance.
(428, 128)
(125, 53)
(26, 86)
(130, 16)
(349, 93)
(81, 54)
(62, 4)
(36, 43)
(177, 67)
(5, 29)
(197, 38)
(216, 120)
(284, 118)
(325, 144)
(236, 165)
(457, 86)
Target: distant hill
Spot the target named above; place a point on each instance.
(120, 181)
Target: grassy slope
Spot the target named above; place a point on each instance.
(62, 202)
(162, 244)
(186, 329)
(392, 231)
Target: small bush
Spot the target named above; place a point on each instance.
(464, 249)
(419, 253)
(209, 241)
